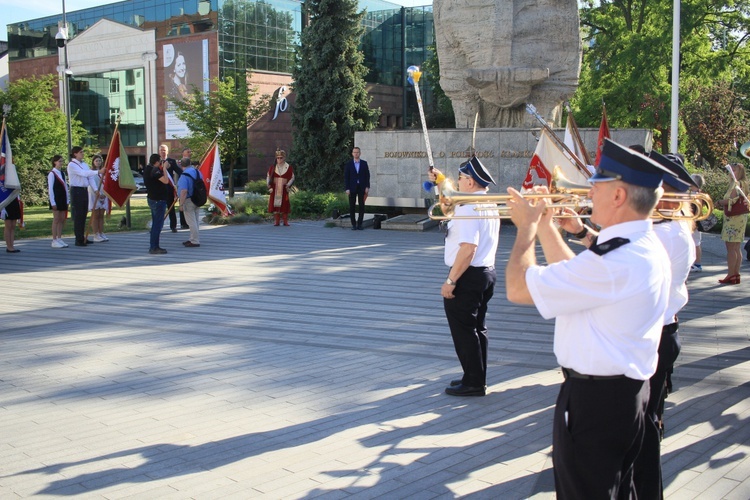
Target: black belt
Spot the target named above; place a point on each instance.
(78, 187)
(570, 373)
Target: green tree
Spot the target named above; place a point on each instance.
(37, 129)
(331, 100)
(715, 121)
(440, 114)
(628, 58)
(230, 106)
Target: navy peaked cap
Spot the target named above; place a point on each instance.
(477, 171)
(621, 163)
(680, 178)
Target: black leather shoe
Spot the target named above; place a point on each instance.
(354, 228)
(89, 242)
(360, 227)
(456, 382)
(174, 229)
(465, 390)
(80, 243)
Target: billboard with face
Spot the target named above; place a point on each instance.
(185, 69)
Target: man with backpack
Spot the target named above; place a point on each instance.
(192, 193)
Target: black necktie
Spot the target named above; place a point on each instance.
(607, 246)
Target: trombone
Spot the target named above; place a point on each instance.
(563, 194)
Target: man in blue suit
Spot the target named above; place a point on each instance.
(357, 184)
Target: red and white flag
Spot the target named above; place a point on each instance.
(547, 157)
(603, 134)
(574, 142)
(212, 176)
(119, 183)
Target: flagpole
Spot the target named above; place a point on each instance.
(578, 135)
(203, 158)
(101, 180)
(579, 165)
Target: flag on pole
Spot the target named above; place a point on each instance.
(603, 134)
(10, 185)
(119, 183)
(574, 142)
(211, 171)
(547, 157)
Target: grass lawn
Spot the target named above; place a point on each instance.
(38, 220)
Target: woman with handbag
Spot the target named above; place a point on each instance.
(735, 208)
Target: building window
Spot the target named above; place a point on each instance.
(114, 86)
(130, 99)
(129, 77)
(114, 113)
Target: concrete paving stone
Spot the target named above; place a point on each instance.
(367, 399)
(741, 469)
(740, 492)
(719, 489)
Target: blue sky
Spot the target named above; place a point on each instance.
(23, 10)
(14, 11)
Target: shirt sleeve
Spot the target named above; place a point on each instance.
(574, 285)
(51, 188)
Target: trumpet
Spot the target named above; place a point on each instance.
(563, 194)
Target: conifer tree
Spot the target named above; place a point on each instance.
(331, 100)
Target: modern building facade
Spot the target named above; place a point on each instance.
(122, 59)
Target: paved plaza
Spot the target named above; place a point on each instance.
(310, 362)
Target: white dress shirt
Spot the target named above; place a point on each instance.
(678, 241)
(79, 173)
(609, 309)
(484, 233)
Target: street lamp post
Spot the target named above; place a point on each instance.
(61, 39)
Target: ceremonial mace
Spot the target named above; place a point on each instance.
(414, 75)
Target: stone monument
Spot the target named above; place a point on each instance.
(497, 55)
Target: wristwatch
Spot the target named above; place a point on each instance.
(450, 282)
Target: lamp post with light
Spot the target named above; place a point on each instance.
(61, 39)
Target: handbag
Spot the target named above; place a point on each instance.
(738, 208)
(707, 224)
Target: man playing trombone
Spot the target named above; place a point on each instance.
(609, 304)
(470, 248)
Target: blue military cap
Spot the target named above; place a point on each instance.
(679, 178)
(621, 163)
(477, 171)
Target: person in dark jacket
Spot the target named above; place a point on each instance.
(159, 194)
(357, 185)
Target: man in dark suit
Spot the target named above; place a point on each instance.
(357, 183)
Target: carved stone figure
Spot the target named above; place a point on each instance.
(497, 55)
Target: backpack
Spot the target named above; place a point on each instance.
(200, 195)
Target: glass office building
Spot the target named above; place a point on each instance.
(248, 35)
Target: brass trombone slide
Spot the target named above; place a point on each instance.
(563, 194)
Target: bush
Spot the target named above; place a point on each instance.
(253, 207)
(258, 186)
(308, 204)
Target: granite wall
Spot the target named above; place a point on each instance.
(398, 159)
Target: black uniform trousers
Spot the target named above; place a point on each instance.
(354, 197)
(597, 433)
(79, 207)
(466, 314)
(648, 479)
